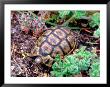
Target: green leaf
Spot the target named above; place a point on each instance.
(65, 71)
(95, 19)
(95, 68)
(79, 14)
(73, 69)
(62, 14)
(55, 73)
(97, 33)
(57, 58)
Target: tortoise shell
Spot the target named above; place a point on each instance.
(57, 41)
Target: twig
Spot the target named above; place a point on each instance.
(65, 23)
(70, 51)
(91, 43)
(87, 30)
(51, 23)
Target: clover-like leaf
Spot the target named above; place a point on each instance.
(62, 13)
(79, 14)
(95, 68)
(95, 20)
(97, 33)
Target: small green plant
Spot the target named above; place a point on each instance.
(97, 33)
(95, 68)
(84, 57)
(79, 14)
(72, 64)
(62, 14)
(95, 20)
(66, 67)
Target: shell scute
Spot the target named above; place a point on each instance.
(65, 46)
(53, 40)
(60, 33)
(45, 49)
(57, 50)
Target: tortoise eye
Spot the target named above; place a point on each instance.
(38, 60)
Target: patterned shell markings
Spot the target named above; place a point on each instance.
(57, 41)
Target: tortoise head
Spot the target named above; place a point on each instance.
(47, 60)
(40, 59)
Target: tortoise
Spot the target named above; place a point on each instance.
(55, 41)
